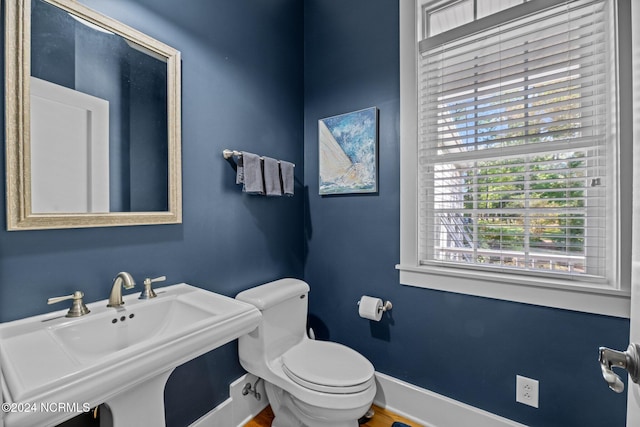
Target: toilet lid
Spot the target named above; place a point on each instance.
(328, 367)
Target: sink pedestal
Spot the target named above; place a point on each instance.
(118, 357)
(141, 405)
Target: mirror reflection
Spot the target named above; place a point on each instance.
(93, 111)
(99, 118)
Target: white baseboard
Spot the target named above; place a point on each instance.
(432, 409)
(237, 410)
(417, 404)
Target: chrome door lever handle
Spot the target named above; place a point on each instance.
(629, 360)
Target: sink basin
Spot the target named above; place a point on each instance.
(98, 336)
(109, 354)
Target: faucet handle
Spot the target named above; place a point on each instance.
(75, 295)
(77, 308)
(148, 291)
(157, 279)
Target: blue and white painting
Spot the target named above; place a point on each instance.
(348, 152)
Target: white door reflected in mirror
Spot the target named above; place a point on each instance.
(69, 150)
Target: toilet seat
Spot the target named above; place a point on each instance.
(327, 367)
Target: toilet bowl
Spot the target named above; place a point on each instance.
(308, 382)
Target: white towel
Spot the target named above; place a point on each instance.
(271, 170)
(286, 174)
(252, 172)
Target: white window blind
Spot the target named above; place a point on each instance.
(515, 145)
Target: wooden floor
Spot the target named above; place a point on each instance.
(382, 418)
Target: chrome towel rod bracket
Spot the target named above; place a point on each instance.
(227, 154)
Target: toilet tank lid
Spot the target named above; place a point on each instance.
(269, 294)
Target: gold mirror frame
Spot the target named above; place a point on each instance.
(17, 115)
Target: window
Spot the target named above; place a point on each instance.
(449, 14)
(515, 148)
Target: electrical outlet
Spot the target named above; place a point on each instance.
(527, 391)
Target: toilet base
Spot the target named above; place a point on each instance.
(291, 412)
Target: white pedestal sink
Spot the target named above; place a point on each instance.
(55, 367)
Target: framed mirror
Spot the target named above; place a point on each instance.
(92, 120)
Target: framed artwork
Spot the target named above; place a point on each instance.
(348, 158)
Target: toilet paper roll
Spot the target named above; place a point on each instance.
(370, 308)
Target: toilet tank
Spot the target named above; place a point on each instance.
(283, 305)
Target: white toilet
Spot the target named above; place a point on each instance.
(309, 383)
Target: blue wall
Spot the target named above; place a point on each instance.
(464, 347)
(242, 89)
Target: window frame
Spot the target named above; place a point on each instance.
(552, 292)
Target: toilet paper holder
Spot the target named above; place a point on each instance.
(385, 307)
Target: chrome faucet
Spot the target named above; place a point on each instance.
(123, 279)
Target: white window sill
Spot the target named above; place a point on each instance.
(583, 297)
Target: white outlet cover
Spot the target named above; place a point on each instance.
(527, 390)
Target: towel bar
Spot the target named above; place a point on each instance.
(227, 154)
